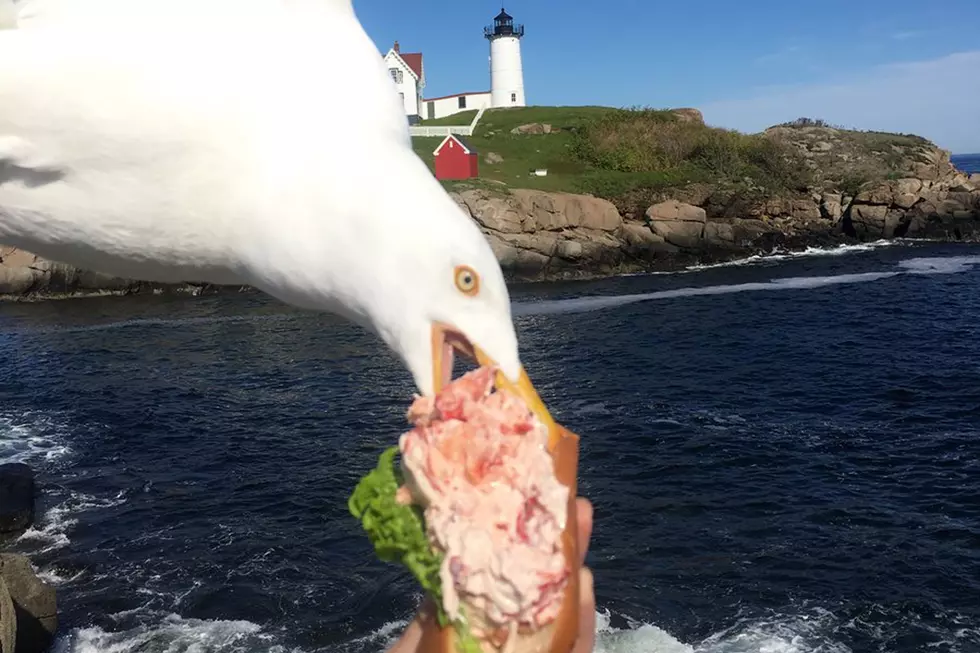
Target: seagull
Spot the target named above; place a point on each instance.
(252, 142)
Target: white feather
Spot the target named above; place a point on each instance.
(8, 14)
(236, 141)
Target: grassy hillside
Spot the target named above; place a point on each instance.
(617, 153)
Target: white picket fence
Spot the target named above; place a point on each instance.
(446, 130)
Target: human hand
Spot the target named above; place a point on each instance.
(584, 643)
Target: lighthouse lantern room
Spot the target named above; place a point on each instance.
(506, 72)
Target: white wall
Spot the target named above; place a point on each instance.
(447, 106)
(506, 72)
(408, 86)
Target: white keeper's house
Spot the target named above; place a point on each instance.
(506, 76)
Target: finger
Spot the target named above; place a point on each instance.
(586, 617)
(410, 639)
(584, 518)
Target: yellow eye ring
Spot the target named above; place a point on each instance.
(467, 280)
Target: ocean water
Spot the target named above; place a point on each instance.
(966, 162)
(782, 453)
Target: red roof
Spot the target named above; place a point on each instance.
(414, 61)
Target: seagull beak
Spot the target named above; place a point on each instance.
(446, 341)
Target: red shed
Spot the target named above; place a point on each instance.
(456, 159)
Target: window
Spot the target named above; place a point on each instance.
(462, 101)
(513, 97)
(396, 74)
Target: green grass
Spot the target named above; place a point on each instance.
(461, 118)
(523, 153)
(629, 155)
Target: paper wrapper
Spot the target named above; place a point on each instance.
(560, 635)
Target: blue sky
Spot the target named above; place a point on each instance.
(900, 65)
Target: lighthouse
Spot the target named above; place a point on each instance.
(506, 72)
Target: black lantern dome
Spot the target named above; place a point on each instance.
(503, 25)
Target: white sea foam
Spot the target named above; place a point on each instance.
(31, 438)
(941, 265)
(815, 632)
(779, 254)
(174, 634)
(50, 532)
(918, 266)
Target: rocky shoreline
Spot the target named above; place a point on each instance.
(28, 605)
(540, 235)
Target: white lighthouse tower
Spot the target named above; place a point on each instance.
(506, 72)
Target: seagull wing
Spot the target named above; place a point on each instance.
(41, 13)
(122, 153)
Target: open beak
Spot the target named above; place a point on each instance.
(446, 342)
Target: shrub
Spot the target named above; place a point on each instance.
(643, 142)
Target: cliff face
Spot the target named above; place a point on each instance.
(915, 192)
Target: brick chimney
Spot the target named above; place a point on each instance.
(396, 48)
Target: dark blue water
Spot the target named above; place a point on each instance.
(966, 162)
(787, 466)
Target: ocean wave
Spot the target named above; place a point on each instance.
(32, 438)
(781, 254)
(50, 532)
(173, 634)
(914, 266)
(815, 630)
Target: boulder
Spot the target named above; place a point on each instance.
(831, 206)
(677, 223)
(950, 207)
(8, 620)
(489, 211)
(719, 234)
(35, 604)
(969, 200)
(687, 114)
(746, 232)
(556, 211)
(866, 220)
(804, 210)
(881, 194)
(492, 158)
(569, 249)
(683, 234)
(23, 273)
(672, 210)
(960, 183)
(639, 235)
(16, 497)
(640, 239)
(532, 128)
(907, 186)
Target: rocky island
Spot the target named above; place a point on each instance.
(629, 190)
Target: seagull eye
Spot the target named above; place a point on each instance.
(467, 280)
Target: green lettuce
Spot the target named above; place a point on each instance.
(398, 535)
(396, 531)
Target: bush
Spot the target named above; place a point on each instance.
(642, 142)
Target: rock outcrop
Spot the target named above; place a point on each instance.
(34, 606)
(23, 273)
(8, 620)
(539, 235)
(532, 231)
(16, 497)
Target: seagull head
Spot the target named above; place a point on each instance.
(432, 287)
